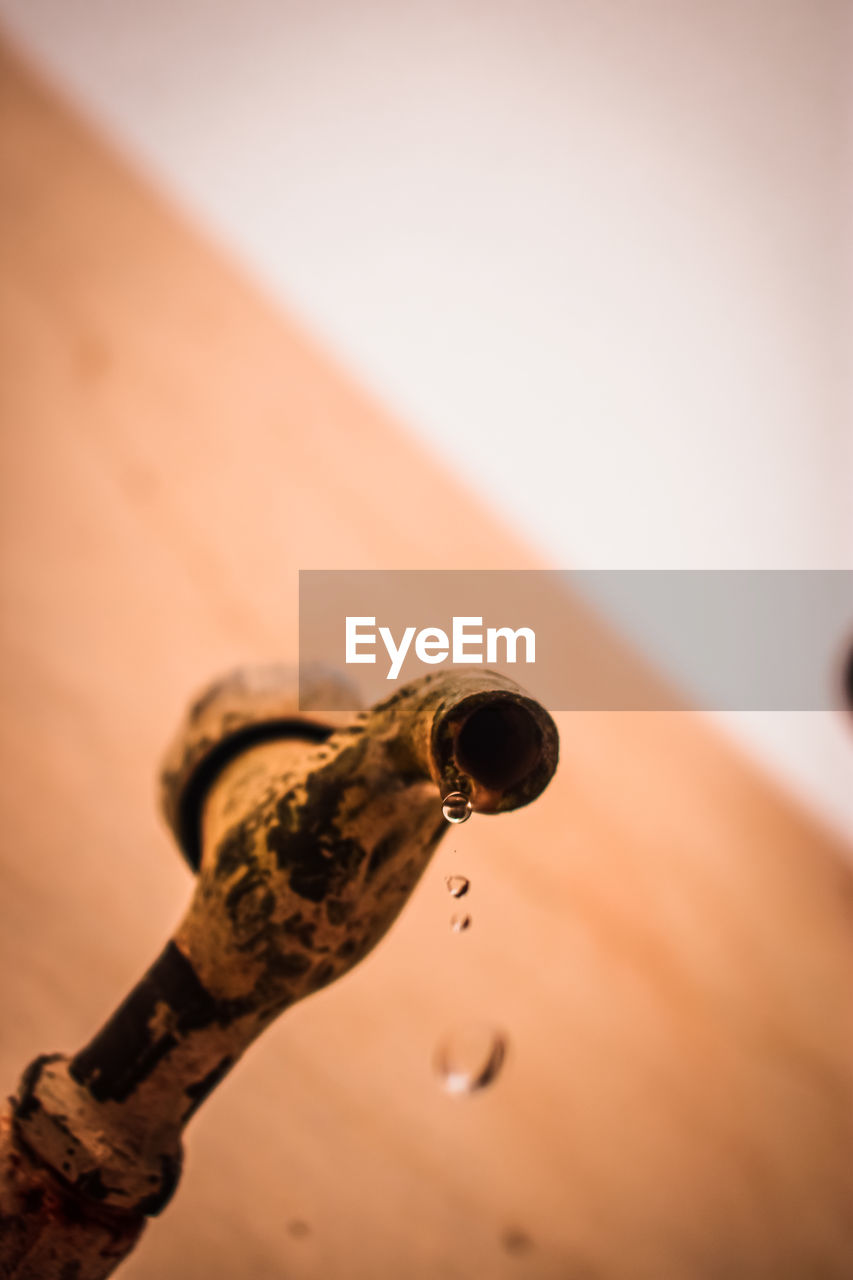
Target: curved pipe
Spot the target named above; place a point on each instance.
(309, 834)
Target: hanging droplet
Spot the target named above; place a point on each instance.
(460, 923)
(456, 807)
(457, 886)
(470, 1057)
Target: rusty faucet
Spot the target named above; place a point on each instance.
(308, 833)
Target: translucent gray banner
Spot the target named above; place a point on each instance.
(588, 640)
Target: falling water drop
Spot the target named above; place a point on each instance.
(457, 886)
(470, 1057)
(460, 923)
(456, 807)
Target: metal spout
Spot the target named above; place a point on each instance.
(308, 833)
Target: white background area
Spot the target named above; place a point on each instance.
(595, 252)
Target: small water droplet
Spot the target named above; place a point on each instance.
(460, 923)
(457, 886)
(470, 1057)
(456, 807)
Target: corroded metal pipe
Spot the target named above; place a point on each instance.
(308, 833)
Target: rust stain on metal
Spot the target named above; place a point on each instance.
(308, 833)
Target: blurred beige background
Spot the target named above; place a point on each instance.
(666, 935)
(597, 256)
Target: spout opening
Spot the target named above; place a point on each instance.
(499, 745)
(495, 743)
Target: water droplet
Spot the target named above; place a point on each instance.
(456, 807)
(460, 923)
(457, 886)
(470, 1057)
